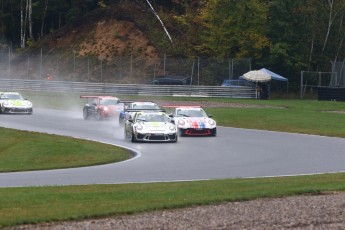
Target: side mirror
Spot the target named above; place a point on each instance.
(209, 115)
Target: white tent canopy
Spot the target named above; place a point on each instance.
(257, 76)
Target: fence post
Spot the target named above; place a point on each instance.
(198, 70)
(164, 60)
(28, 67)
(131, 70)
(74, 62)
(319, 78)
(88, 69)
(9, 62)
(101, 70)
(301, 94)
(191, 77)
(41, 65)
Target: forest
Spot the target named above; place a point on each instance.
(286, 36)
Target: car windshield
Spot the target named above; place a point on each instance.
(153, 118)
(109, 101)
(145, 106)
(11, 96)
(191, 113)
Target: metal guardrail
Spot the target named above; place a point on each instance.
(127, 89)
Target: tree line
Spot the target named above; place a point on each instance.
(287, 36)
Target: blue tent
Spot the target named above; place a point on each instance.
(274, 75)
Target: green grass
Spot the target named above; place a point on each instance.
(24, 151)
(38, 204)
(42, 204)
(292, 119)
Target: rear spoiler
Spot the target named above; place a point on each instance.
(128, 101)
(125, 101)
(84, 96)
(181, 106)
(143, 110)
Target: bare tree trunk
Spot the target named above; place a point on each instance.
(25, 20)
(330, 21)
(341, 35)
(311, 52)
(332, 14)
(154, 12)
(22, 28)
(30, 19)
(44, 16)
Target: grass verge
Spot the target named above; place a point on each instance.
(44, 204)
(24, 151)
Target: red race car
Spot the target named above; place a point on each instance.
(101, 107)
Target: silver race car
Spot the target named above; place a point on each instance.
(150, 126)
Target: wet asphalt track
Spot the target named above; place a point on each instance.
(233, 153)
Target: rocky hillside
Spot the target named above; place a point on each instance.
(105, 33)
(121, 30)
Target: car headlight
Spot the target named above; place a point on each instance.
(7, 103)
(105, 108)
(28, 104)
(211, 122)
(172, 127)
(181, 122)
(139, 127)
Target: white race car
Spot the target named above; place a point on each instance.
(150, 126)
(136, 106)
(193, 121)
(13, 102)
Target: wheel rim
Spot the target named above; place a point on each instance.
(85, 113)
(99, 116)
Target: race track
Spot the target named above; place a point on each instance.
(233, 153)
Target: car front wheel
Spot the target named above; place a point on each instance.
(85, 114)
(99, 115)
(214, 132)
(133, 139)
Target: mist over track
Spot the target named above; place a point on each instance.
(233, 153)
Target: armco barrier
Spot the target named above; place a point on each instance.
(127, 89)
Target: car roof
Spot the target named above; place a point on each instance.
(10, 93)
(151, 112)
(99, 97)
(188, 108)
(143, 103)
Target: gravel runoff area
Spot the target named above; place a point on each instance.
(324, 211)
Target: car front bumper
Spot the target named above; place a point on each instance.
(197, 132)
(23, 110)
(156, 137)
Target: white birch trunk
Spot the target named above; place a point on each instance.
(30, 19)
(154, 12)
(44, 16)
(22, 28)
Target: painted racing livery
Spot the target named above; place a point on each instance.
(193, 121)
(136, 106)
(101, 107)
(150, 126)
(13, 102)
